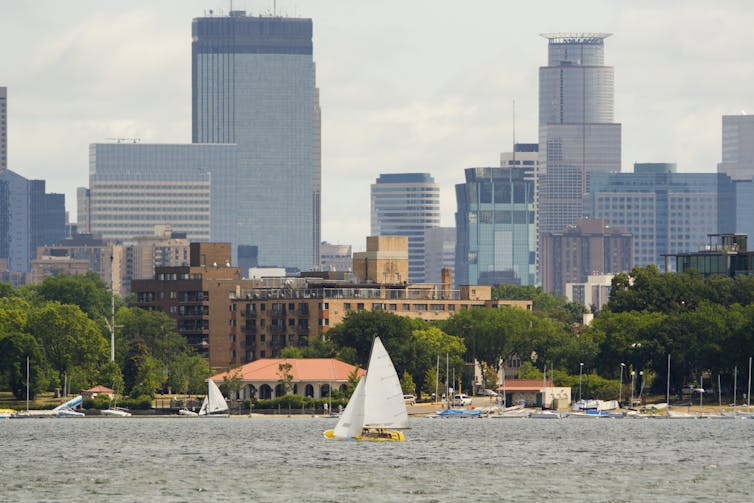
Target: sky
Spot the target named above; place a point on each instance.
(405, 86)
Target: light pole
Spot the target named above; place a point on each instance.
(581, 370)
(633, 376)
(620, 387)
(641, 384)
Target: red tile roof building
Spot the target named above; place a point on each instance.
(310, 377)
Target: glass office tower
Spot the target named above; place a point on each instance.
(253, 85)
(577, 135)
(495, 226)
(406, 204)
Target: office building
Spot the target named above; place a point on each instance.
(589, 247)
(335, 257)
(253, 84)
(577, 133)
(738, 147)
(665, 211)
(406, 204)
(135, 186)
(47, 216)
(495, 229)
(3, 128)
(723, 255)
(29, 217)
(440, 244)
(106, 259)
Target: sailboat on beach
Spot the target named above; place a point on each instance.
(214, 402)
(376, 408)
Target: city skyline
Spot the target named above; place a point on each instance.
(397, 94)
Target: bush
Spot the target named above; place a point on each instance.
(295, 402)
(142, 402)
(100, 402)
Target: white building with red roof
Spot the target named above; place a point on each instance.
(309, 377)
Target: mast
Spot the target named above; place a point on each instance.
(437, 379)
(667, 385)
(735, 388)
(27, 384)
(447, 383)
(748, 391)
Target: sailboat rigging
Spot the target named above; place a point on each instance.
(376, 408)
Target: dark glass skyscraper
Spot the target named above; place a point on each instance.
(495, 226)
(577, 135)
(253, 84)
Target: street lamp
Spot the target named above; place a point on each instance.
(641, 384)
(581, 370)
(633, 376)
(620, 388)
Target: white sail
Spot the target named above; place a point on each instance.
(214, 401)
(352, 420)
(384, 406)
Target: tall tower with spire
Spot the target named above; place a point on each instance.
(577, 132)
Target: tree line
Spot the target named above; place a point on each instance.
(61, 325)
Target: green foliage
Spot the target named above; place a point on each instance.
(14, 348)
(188, 374)
(142, 402)
(296, 402)
(407, 384)
(556, 307)
(431, 383)
(72, 343)
(318, 348)
(87, 291)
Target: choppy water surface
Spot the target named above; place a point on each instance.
(287, 459)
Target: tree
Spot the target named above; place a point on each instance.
(188, 374)
(286, 379)
(407, 384)
(87, 291)
(71, 342)
(15, 347)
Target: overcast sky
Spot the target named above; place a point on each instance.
(405, 86)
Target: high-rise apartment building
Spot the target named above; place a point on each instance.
(406, 204)
(666, 212)
(135, 186)
(495, 231)
(589, 247)
(577, 135)
(253, 84)
(738, 147)
(3, 128)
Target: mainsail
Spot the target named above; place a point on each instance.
(214, 401)
(384, 406)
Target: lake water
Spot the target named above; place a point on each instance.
(287, 459)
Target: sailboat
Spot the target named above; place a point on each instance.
(214, 402)
(67, 409)
(376, 408)
(114, 410)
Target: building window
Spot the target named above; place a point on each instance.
(393, 307)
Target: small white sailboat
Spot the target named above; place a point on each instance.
(214, 402)
(114, 410)
(376, 408)
(67, 409)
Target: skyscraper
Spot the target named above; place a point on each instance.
(135, 186)
(495, 241)
(253, 84)
(406, 204)
(3, 128)
(577, 135)
(738, 147)
(667, 212)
